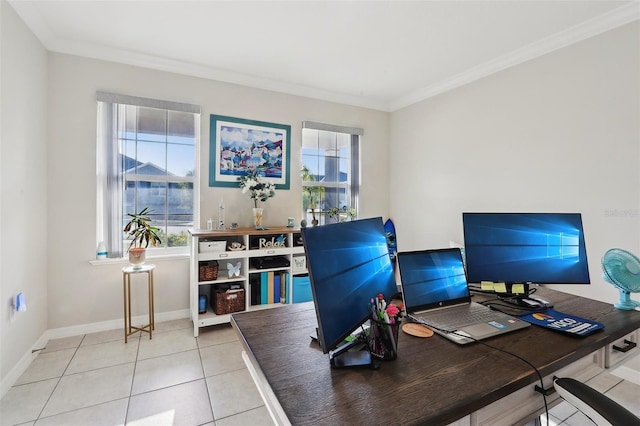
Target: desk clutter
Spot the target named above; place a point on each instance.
(383, 331)
(562, 322)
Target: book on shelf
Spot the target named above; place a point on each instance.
(284, 283)
(269, 287)
(254, 285)
(276, 287)
(264, 288)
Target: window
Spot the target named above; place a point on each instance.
(330, 172)
(147, 152)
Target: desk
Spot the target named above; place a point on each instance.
(433, 381)
(127, 271)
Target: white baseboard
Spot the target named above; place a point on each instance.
(22, 365)
(76, 330)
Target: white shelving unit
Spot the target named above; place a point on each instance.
(278, 241)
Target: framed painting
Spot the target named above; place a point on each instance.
(240, 147)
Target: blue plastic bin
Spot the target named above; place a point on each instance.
(302, 289)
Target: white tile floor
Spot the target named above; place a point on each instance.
(172, 379)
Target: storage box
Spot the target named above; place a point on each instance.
(208, 271)
(212, 246)
(229, 301)
(302, 289)
(299, 263)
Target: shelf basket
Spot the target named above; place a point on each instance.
(208, 271)
(228, 302)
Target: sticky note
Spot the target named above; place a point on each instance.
(500, 287)
(517, 288)
(486, 285)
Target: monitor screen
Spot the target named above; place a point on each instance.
(538, 248)
(432, 278)
(348, 264)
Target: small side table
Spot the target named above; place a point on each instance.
(127, 271)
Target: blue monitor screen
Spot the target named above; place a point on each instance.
(432, 278)
(540, 248)
(348, 264)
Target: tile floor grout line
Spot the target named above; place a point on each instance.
(77, 409)
(133, 377)
(204, 378)
(59, 379)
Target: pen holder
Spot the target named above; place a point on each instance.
(383, 339)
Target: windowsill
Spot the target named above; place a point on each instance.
(149, 258)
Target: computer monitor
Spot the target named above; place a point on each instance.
(525, 248)
(348, 264)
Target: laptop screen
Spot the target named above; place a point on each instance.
(432, 278)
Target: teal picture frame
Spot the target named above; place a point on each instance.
(239, 147)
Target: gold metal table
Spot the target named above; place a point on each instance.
(127, 272)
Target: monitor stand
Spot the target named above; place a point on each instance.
(540, 300)
(528, 300)
(348, 355)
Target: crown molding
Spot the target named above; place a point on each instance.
(593, 27)
(30, 15)
(128, 57)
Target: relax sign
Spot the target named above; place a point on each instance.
(274, 242)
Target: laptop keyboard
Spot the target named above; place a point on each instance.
(451, 319)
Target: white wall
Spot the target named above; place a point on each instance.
(80, 293)
(23, 183)
(560, 133)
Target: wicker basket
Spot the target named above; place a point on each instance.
(228, 301)
(208, 271)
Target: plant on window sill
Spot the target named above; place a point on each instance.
(140, 229)
(342, 215)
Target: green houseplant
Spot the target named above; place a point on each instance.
(142, 234)
(342, 215)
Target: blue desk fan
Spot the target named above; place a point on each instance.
(622, 269)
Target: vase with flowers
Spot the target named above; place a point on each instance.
(259, 189)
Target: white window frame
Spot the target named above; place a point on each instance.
(352, 187)
(109, 175)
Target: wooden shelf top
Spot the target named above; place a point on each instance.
(242, 231)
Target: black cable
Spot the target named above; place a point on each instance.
(511, 309)
(544, 397)
(476, 289)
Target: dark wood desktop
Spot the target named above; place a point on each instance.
(433, 381)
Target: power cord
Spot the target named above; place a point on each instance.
(544, 396)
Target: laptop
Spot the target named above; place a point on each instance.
(435, 293)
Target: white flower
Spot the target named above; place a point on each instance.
(260, 189)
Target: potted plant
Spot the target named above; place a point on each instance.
(342, 215)
(142, 233)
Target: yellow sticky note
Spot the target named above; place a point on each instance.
(486, 285)
(500, 287)
(517, 288)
